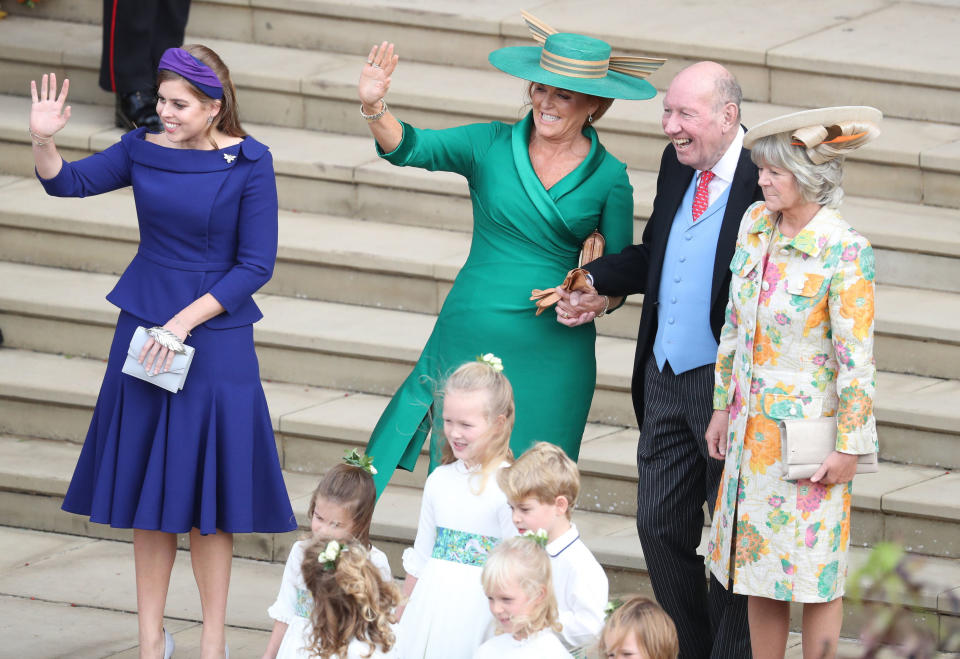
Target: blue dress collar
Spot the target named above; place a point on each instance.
(189, 160)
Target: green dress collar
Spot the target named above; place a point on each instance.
(545, 200)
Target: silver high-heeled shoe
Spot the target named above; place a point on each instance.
(168, 644)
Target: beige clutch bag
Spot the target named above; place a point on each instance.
(592, 248)
(806, 443)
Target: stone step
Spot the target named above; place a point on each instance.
(75, 621)
(349, 180)
(26, 636)
(815, 59)
(337, 174)
(908, 337)
(52, 397)
(914, 161)
(34, 475)
(316, 172)
(340, 259)
(90, 571)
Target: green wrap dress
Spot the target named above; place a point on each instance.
(524, 237)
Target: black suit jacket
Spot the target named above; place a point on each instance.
(637, 268)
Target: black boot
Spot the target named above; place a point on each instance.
(137, 109)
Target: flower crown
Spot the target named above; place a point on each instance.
(492, 361)
(328, 557)
(612, 606)
(354, 459)
(539, 536)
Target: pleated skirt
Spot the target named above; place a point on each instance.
(203, 458)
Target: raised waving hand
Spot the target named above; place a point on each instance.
(375, 76)
(372, 88)
(48, 113)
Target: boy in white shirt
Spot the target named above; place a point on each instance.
(542, 487)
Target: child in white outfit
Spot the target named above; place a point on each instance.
(462, 516)
(516, 579)
(639, 628)
(352, 608)
(341, 508)
(542, 487)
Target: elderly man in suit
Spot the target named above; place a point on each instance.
(705, 184)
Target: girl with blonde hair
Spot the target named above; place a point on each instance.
(519, 588)
(462, 516)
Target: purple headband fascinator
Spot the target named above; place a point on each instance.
(183, 63)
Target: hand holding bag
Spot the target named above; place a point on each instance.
(806, 443)
(576, 279)
(171, 380)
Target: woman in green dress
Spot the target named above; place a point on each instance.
(539, 188)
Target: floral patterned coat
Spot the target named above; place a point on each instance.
(797, 343)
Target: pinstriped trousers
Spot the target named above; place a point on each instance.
(676, 477)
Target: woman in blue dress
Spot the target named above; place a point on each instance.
(201, 461)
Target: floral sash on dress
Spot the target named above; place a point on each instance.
(462, 547)
(304, 605)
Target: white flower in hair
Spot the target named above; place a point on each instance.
(328, 557)
(539, 536)
(492, 361)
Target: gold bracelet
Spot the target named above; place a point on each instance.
(606, 307)
(374, 117)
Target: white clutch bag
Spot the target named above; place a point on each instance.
(806, 443)
(171, 380)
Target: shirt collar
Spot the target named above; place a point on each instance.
(727, 165)
(556, 547)
(811, 239)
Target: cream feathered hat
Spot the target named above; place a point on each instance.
(827, 133)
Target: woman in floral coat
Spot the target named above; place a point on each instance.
(797, 343)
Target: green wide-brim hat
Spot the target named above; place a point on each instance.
(578, 63)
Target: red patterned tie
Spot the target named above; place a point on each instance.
(701, 200)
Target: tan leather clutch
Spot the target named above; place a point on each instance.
(592, 248)
(806, 443)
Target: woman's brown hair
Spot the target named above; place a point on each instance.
(228, 119)
(603, 104)
(352, 488)
(350, 601)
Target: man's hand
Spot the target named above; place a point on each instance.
(579, 307)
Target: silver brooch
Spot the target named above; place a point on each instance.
(229, 158)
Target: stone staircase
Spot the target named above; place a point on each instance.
(368, 251)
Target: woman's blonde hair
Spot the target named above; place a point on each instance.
(521, 561)
(653, 629)
(500, 413)
(350, 601)
(352, 488)
(228, 119)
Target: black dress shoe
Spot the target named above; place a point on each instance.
(137, 109)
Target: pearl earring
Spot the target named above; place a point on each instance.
(590, 118)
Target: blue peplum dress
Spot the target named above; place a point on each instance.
(204, 457)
